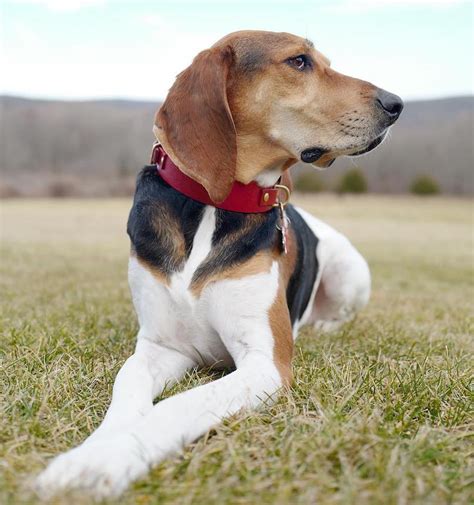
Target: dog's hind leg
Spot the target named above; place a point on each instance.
(343, 285)
(344, 288)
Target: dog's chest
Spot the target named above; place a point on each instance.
(195, 268)
(170, 312)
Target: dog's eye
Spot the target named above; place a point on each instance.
(300, 62)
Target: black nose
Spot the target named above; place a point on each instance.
(390, 103)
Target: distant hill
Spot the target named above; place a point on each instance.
(81, 148)
(96, 148)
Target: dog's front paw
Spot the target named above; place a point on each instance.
(101, 469)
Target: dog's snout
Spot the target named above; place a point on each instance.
(390, 103)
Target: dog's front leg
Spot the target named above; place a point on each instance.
(181, 419)
(106, 468)
(252, 318)
(141, 379)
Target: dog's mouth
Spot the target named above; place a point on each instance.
(371, 146)
(323, 158)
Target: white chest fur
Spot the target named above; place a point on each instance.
(172, 315)
(202, 244)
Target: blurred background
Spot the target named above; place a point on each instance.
(81, 80)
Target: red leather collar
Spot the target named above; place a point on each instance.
(246, 198)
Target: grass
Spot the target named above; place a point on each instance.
(380, 413)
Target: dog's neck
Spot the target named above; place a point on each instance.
(259, 160)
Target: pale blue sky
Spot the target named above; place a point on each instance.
(133, 49)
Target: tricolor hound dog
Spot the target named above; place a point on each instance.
(211, 280)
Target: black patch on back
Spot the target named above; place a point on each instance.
(154, 204)
(301, 284)
(237, 238)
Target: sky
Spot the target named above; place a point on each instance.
(83, 49)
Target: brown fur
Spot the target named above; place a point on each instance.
(279, 315)
(220, 121)
(283, 336)
(196, 109)
(258, 264)
(158, 274)
(215, 266)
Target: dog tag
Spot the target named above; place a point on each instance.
(283, 227)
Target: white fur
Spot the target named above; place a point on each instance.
(343, 284)
(227, 324)
(269, 177)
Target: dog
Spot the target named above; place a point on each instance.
(223, 272)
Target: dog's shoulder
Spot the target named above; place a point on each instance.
(161, 223)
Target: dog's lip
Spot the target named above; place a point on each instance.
(312, 154)
(372, 145)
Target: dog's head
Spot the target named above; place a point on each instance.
(257, 102)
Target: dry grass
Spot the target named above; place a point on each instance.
(380, 412)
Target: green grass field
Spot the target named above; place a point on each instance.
(381, 412)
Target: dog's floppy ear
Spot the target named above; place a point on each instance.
(195, 123)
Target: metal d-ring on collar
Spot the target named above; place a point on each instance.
(287, 192)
